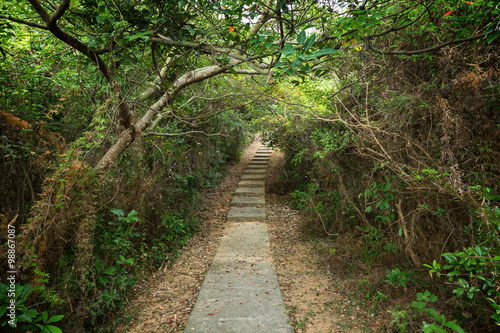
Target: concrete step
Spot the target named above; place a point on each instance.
(255, 172)
(249, 191)
(241, 293)
(253, 177)
(252, 183)
(256, 166)
(241, 201)
(259, 161)
(247, 214)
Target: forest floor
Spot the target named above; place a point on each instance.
(316, 300)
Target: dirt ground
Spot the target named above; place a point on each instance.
(314, 297)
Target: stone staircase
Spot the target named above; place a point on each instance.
(241, 293)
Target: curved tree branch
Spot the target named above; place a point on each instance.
(127, 136)
(59, 12)
(186, 133)
(51, 24)
(404, 26)
(430, 49)
(31, 24)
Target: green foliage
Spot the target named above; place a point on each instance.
(474, 271)
(401, 319)
(398, 277)
(33, 320)
(317, 206)
(41, 323)
(404, 319)
(422, 305)
(328, 141)
(372, 244)
(383, 195)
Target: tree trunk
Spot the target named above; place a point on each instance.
(128, 135)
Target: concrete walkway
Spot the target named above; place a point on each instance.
(241, 293)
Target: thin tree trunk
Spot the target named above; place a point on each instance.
(128, 136)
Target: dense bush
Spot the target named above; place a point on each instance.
(406, 168)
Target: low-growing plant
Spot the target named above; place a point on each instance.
(474, 270)
(398, 277)
(421, 305)
(33, 320)
(404, 319)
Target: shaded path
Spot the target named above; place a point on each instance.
(241, 292)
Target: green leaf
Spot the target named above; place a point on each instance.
(117, 211)
(279, 64)
(454, 326)
(23, 317)
(53, 329)
(104, 280)
(492, 37)
(32, 313)
(110, 270)
(288, 50)
(418, 305)
(301, 38)
(190, 29)
(232, 70)
(436, 315)
(309, 42)
(54, 319)
(138, 35)
(326, 51)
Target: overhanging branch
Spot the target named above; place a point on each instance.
(430, 49)
(187, 133)
(212, 49)
(31, 24)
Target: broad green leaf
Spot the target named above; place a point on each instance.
(117, 211)
(279, 64)
(110, 270)
(326, 51)
(53, 329)
(138, 35)
(190, 29)
(54, 319)
(454, 326)
(301, 38)
(309, 42)
(288, 50)
(418, 305)
(32, 313)
(492, 37)
(45, 316)
(25, 318)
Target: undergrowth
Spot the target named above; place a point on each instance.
(398, 177)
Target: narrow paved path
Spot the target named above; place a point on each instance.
(240, 292)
